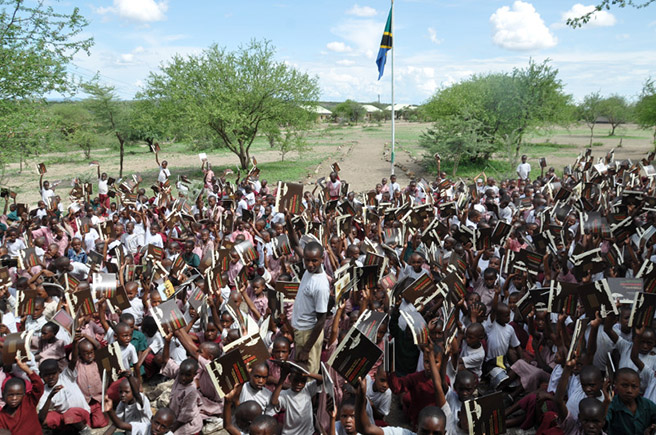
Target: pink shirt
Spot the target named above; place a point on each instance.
(89, 380)
(185, 402)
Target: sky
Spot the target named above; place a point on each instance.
(437, 42)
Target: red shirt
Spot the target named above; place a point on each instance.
(25, 419)
(421, 389)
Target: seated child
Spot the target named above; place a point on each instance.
(161, 423)
(49, 347)
(19, 414)
(134, 406)
(629, 412)
(62, 406)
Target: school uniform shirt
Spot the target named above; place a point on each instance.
(25, 419)
(524, 170)
(46, 194)
(393, 188)
(211, 403)
(130, 356)
(262, 397)
(499, 339)
(312, 298)
(473, 359)
(88, 380)
(575, 394)
(298, 409)
(624, 348)
(35, 325)
(144, 429)
(136, 309)
(134, 412)
(151, 239)
(164, 174)
(455, 405)
(90, 240)
(15, 247)
(185, 402)
(102, 187)
(241, 206)
(68, 397)
(380, 401)
(622, 421)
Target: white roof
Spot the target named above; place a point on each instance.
(318, 110)
(401, 107)
(369, 108)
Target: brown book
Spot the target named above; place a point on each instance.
(110, 359)
(168, 317)
(41, 167)
(228, 371)
(355, 356)
(16, 345)
(80, 302)
(289, 196)
(486, 415)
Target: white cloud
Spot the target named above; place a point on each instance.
(127, 58)
(598, 19)
(362, 11)
(345, 62)
(359, 33)
(432, 34)
(338, 47)
(145, 11)
(520, 27)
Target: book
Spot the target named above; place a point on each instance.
(251, 348)
(389, 357)
(486, 414)
(643, 310)
(63, 319)
(370, 322)
(281, 246)
(118, 300)
(421, 291)
(417, 326)
(110, 359)
(329, 387)
(454, 286)
(577, 335)
(366, 276)
(168, 317)
(355, 356)
(27, 258)
(246, 252)
(596, 296)
(16, 345)
(563, 296)
(25, 302)
(289, 196)
(228, 371)
(80, 302)
(104, 284)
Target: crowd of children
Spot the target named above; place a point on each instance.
(440, 307)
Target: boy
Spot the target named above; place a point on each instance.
(297, 401)
(161, 423)
(379, 394)
(463, 389)
(19, 413)
(64, 407)
(629, 413)
(255, 389)
(85, 370)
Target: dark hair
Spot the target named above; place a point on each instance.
(626, 371)
(49, 365)
(13, 381)
(266, 422)
(53, 326)
(431, 412)
(313, 247)
(149, 326)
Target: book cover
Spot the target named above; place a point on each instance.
(168, 317)
(355, 356)
(486, 415)
(110, 359)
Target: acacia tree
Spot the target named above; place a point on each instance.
(590, 110)
(112, 116)
(607, 4)
(645, 109)
(230, 96)
(350, 110)
(616, 110)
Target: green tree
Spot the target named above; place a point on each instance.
(457, 138)
(111, 115)
(228, 97)
(645, 108)
(76, 124)
(293, 135)
(590, 110)
(36, 44)
(350, 111)
(616, 110)
(508, 105)
(607, 4)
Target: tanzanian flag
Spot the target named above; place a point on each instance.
(385, 46)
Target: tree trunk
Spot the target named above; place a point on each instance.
(591, 133)
(612, 129)
(121, 143)
(455, 165)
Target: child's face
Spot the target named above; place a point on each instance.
(226, 320)
(155, 299)
(77, 245)
(259, 377)
(280, 351)
(591, 386)
(38, 311)
(347, 418)
(125, 393)
(380, 382)
(211, 331)
(540, 321)
(647, 342)
(472, 339)
(627, 387)
(258, 288)
(503, 316)
(298, 382)
(87, 352)
(186, 376)
(47, 334)
(123, 336)
(50, 378)
(591, 421)
(465, 389)
(13, 396)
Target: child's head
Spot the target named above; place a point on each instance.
(226, 320)
(86, 351)
(39, 305)
(281, 348)
(188, 370)
(49, 332)
(465, 385)
(128, 319)
(49, 371)
(209, 350)
(13, 393)
(298, 379)
(264, 425)
(592, 416)
(123, 334)
(125, 392)
(474, 334)
(259, 375)
(502, 314)
(211, 331)
(431, 420)
(627, 384)
(346, 416)
(647, 341)
(245, 414)
(591, 380)
(380, 380)
(258, 285)
(149, 326)
(625, 314)
(131, 288)
(155, 298)
(162, 421)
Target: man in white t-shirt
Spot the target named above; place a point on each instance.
(524, 169)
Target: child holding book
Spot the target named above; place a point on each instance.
(134, 406)
(255, 389)
(88, 378)
(297, 401)
(48, 346)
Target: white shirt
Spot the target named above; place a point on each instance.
(102, 187)
(15, 247)
(312, 298)
(298, 407)
(524, 170)
(68, 397)
(46, 194)
(262, 397)
(473, 358)
(380, 401)
(164, 174)
(499, 339)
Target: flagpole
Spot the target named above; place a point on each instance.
(393, 132)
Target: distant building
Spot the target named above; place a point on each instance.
(399, 109)
(323, 113)
(371, 111)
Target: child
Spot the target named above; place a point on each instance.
(264, 425)
(464, 387)
(185, 402)
(49, 347)
(297, 401)
(161, 423)
(346, 414)
(134, 406)
(379, 394)
(76, 253)
(85, 370)
(254, 388)
(19, 413)
(35, 321)
(63, 406)
(281, 351)
(629, 413)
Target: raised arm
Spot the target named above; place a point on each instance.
(362, 422)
